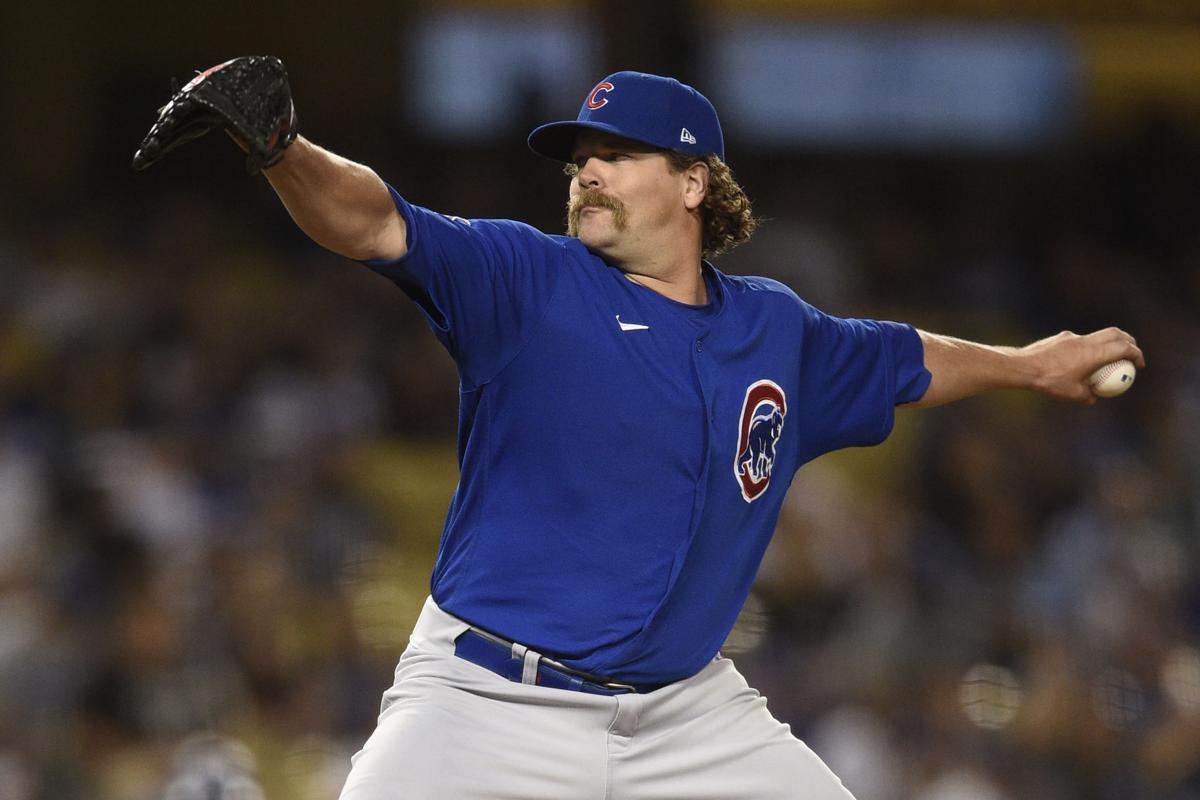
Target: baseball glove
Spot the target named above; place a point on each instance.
(249, 97)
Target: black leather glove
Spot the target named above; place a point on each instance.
(248, 96)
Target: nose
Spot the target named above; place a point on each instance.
(589, 175)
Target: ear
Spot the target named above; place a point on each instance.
(695, 185)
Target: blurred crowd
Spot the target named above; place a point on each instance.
(225, 455)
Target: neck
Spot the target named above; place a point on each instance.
(689, 288)
(666, 261)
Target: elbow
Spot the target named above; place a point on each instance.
(384, 241)
(390, 239)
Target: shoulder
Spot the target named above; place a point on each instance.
(766, 292)
(512, 241)
(504, 235)
(573, 247)
(756, 283)
(521, 234)
(507, 229)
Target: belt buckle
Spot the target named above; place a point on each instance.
(587, 676)
(595, 680)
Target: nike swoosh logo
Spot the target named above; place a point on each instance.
(631, 326)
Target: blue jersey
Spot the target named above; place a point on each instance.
(623, 457)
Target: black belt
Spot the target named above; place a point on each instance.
(521, 665)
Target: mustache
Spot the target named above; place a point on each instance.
(593, 198)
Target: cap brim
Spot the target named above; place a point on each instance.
(557, 139)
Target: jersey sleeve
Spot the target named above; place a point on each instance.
(853, 374)
(482, 285)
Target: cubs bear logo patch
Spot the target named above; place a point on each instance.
(759, 429)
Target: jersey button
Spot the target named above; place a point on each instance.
(699, 345)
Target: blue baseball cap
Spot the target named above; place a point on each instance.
(646, 108)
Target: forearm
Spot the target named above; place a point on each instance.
(961, 369)
(1058, 366)
(342, 206)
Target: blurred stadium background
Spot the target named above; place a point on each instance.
(225, 454)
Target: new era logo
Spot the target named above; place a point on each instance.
(686, 136)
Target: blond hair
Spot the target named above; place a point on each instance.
(726, 213)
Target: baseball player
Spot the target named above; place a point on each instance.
(631, 418)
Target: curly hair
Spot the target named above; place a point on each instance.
(726, 214)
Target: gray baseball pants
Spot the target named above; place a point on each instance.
(451, 730)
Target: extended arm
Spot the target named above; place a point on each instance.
(343, 206)
(1058, 366)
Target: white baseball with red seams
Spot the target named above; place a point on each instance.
(1113, 379)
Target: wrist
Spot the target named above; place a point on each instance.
(291, 155)
(1025, 370)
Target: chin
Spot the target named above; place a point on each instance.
(604, 248)
(597, 238)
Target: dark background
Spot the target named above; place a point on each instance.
(225, 454)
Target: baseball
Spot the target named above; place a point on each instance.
(1113, 379)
